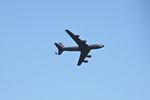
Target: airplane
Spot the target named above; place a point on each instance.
(82, 47)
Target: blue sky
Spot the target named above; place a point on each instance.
(29, 69)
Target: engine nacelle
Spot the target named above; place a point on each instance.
(85, 61)
(77, 35)
(89, 56)
(84, 41)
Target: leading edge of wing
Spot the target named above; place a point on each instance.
(69, 32)
(76, 38)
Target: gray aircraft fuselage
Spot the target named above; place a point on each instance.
(90, 47)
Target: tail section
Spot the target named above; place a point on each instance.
(60, 48)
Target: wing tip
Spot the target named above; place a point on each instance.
(67, 30)
(78, 64)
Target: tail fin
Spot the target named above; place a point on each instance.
(60, 48)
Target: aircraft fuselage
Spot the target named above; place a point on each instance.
(90, 47)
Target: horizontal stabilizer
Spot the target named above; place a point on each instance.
(60, 48)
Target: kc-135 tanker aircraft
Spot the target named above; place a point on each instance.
(83, 47)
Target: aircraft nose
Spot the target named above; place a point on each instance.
(101, 46)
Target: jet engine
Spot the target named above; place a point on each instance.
(84, 41)
(89, 56)
(85, 61)
(77, 35)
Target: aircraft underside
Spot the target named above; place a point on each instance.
(83, 47)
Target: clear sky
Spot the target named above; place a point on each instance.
(29, 69)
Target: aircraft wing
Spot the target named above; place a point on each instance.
(83, 55)
(76, 38)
